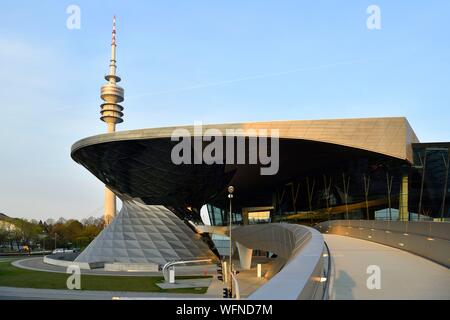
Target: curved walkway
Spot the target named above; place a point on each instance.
(403, 275)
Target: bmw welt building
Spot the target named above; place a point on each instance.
(173, 181)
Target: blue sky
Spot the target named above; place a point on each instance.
(210, 61)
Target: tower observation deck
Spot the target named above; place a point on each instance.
(111, 93)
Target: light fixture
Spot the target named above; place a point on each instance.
(258, 270)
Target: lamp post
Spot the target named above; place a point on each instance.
(230, 197)
(43, 242)
(55, 240)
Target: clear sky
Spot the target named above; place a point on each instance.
(210, 61)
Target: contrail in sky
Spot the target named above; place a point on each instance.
(247, 78)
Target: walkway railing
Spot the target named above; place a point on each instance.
(236, 291)
(299, 268)
(301, 249)
(168, 265)
(325, 294)
(430, 240)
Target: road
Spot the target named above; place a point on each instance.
(8, 293)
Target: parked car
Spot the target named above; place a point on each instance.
(62, 250)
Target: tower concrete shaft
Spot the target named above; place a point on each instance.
(111, 113)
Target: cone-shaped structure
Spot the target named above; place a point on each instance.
(145, 234)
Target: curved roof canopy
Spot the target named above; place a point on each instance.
(137, 163)
(389, 136)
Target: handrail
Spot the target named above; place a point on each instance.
(235, 286)
(301, 274)
(327, 284)
(299, 266)
(172, 263)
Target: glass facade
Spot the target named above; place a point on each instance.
(255, 217)
(429, 185)
(364, 186)
(220, 217)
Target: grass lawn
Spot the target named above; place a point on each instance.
(11, 276)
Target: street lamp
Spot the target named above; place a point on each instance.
(43, 242)
(230, 197)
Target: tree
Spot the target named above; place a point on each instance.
(61, 220)
(68, 232)
(15, 237)
(91, 231)
(27, 232)
(4, 234)
(73, 230)
(82, 242)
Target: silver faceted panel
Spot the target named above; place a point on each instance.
(145, 234)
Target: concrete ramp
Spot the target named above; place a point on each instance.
(403, 275)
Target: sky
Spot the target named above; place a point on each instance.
(212, 61)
